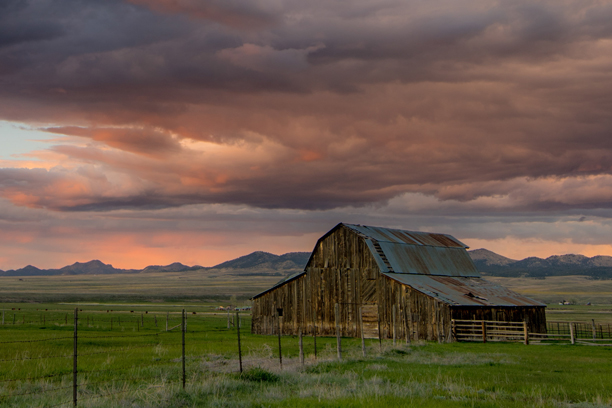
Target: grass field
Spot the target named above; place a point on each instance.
(136, 365)
(140, 366)
(149, 287)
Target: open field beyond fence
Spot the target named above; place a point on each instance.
(136, 363)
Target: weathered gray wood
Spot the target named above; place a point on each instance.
(363, 347)
(571, 328)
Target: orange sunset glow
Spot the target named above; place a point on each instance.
(143, 132)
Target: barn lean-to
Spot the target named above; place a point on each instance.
(407, 282)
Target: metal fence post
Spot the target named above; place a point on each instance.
(239, 349)
(394, 325)
(280, 352)
(338, 341)
(363, 347)
(74, 359)
(301, 346)
(183, 335)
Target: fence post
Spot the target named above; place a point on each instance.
(526, 332)
(394, 325)
(280, 351)
(228, 319)
(571, 328)
(363, 347)
(314, 333)
(142, 317)
(484, 331)
(379, 331)
(74, 358)
(301, 346)
(239, 349)
(183, 337)
(594, 329)
(338, 341)
(454, 329)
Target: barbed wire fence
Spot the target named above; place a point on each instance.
(87, 380)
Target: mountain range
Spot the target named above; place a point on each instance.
(264, 263)
(258, 263)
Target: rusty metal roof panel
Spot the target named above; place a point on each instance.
(428, 260)
(407, 237)
(464, 291)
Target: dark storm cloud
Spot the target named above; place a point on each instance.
(311, 105)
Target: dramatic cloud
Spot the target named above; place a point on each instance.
(483, 107)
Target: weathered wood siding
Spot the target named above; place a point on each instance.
(342, 270)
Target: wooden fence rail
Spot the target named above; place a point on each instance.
(574, 332)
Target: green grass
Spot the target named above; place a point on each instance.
(145, 371)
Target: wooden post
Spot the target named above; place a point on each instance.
(571, 327)
(239, 349)
(228, 318)
(394, 325)
(379, 331)
(594, 330)
(301, 346)
(454, 329)
(526, 332)
(183, 338)
(338, 341)
(74, 358)
(363, 347)
(484, 331)
(314, 333)
(280, 351)
(142, 319)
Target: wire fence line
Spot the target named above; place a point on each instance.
(82, 389)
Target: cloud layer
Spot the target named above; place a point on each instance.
(493, 107)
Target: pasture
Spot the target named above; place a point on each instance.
(140, 365)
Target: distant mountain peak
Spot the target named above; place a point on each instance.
(489, 257)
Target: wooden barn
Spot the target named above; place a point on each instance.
(410, 282)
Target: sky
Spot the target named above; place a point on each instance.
(144, 132)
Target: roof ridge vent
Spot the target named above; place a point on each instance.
(382, 255)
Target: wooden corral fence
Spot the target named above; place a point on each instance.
(572, 332)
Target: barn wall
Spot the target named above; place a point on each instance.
(342, 270)
(416, 314)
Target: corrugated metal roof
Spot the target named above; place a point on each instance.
(428, 260)
(407, 237)
(463, 291)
